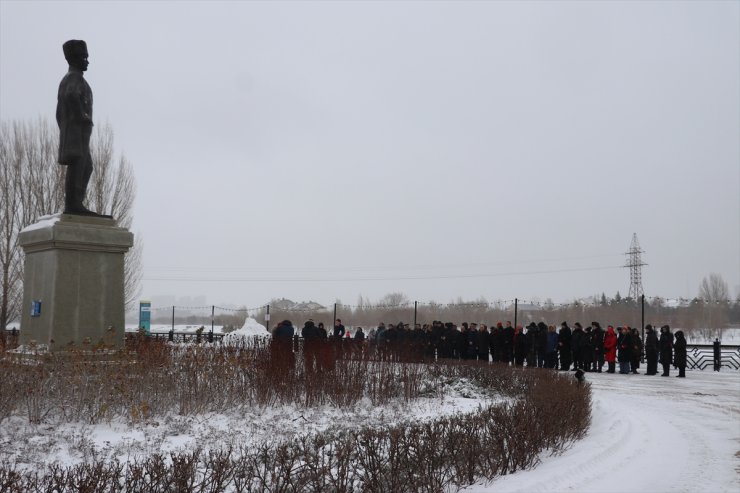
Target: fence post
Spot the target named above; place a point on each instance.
(267, 318)
(717, 354)
(415, 305)
(334, 320)
(173, 318)
(213, 313)
(516, 311)
(642, 324)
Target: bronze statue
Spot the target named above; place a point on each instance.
(74, 117)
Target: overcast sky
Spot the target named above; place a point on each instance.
(324, 150)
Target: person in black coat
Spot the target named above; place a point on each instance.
(281, 347)
(636, 351)
(338, 330)
(587, 349)
(665, 343)
(651, 350)
(507, 343)
(531, 337)
(461, 341)
(564, 340)
(541, 344)
(310, 334)
(576, 342)
(471, 336)
(483, 341)
(679, 354)
(520, 346)
(321, 331)
(624, 350)
(597, 341)
(494, 339)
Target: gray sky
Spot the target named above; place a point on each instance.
(323, 150)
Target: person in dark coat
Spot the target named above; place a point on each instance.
(281, 347)
(665, 343)
(507, 343)
(576, 342)
(483, 343)
(551, 356)
(471, 337)
(520, 346)
(447, 341)
(587, 349)
(541, 344)
(679, 354)
(636, 351)
(461, 341)
(531, 337)
(321, 331)
(310, 334)
(651, 350)
(564, 346)
(497, 344)
(338, 329)
(610, 348)
(390, 342)
(597, 338)
(624, 350)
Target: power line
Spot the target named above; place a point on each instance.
(377, 267)
(396, 278)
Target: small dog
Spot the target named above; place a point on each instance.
(579, 375)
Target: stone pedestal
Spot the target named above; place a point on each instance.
(73, 285)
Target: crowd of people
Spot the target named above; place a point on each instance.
(588, 349)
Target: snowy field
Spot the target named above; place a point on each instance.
(648, 434)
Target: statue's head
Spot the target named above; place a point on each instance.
(75, 52)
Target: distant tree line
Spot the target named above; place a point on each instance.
(711, 311)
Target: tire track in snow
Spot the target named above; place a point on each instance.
(647, 434)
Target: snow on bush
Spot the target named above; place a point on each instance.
(251, 328)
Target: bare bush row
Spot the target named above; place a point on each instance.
(155, 379)
(550, 412)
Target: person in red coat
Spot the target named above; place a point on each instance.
(610, 348)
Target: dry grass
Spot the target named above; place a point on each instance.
(152, 379)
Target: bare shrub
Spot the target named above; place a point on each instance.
(152, 378)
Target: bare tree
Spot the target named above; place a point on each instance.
(714, 296)
(714, 288)
(32, 185)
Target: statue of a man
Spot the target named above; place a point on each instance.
(74, 117)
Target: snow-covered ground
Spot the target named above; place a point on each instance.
(251, 327)
(179, 328)
(729, 336)
(648, 434)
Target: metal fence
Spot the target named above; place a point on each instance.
(702, 357)
(698, 356)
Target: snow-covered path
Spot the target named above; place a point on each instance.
(648, 434)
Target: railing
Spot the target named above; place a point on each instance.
(698, 356)
(701, 356)
(183, 337)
